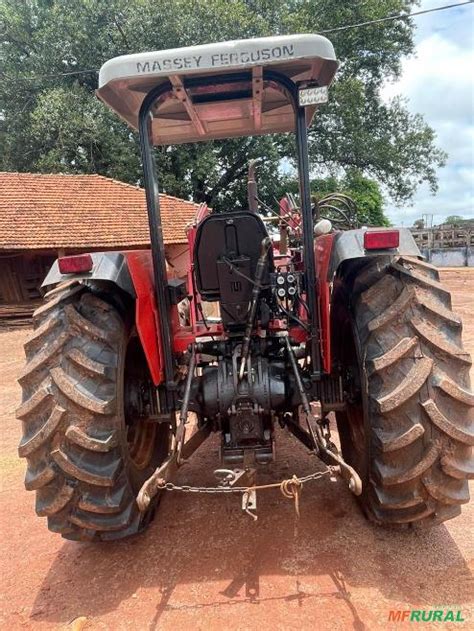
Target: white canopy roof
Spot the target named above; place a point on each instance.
(241, 109)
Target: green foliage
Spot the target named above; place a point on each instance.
(367, 197)
(456, 220)
(55, 123)
(364, 191)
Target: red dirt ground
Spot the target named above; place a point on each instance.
(204, 565)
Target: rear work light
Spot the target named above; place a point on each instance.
(75, 264)
(381, 239)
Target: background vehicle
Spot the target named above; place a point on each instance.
(352, 319)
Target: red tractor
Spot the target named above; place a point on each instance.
(319, 319)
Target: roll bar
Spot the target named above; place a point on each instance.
(286, 85)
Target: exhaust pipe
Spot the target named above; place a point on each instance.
(252, 188)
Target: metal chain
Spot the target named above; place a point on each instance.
(211, 490)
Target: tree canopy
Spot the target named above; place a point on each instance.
(457, 220)
(50, 120)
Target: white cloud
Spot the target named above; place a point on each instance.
(439, 83)
(455, 23)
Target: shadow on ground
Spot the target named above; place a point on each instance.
(224, 557)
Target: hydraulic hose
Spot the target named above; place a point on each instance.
(266, 245)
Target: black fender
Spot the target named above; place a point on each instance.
(132, 272)
(350, 245)
(109, 266)
(331, 252)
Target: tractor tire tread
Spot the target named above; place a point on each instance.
(420, 404)
(71, 429)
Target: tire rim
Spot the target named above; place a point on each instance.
(355, 410)
(355, 418)
(141, 436)
(141, 432)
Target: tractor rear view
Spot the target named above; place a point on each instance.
(310, 317)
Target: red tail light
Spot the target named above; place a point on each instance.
(75, 264)
(381, 239)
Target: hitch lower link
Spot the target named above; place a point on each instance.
(320, 445)
(180, 450)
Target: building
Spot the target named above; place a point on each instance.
(447, 245)
(46, 216)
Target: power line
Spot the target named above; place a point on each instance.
(51, 76)
(66, 74)
(388, 18)
(400, 16)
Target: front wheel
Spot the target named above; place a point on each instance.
(408, 429)
(88, 447)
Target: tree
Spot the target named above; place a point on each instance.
(455, 220)
(50, 119)
(368, 198)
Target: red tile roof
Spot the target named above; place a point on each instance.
(40, 211)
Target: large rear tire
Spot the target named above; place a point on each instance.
(409, 428)
(87, 458)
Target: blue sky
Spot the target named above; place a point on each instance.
(439, 83)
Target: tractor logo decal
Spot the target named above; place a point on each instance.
(216, 59)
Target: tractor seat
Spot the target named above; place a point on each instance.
(226, 252)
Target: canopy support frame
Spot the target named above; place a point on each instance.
(154, 215)
(180, 92)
